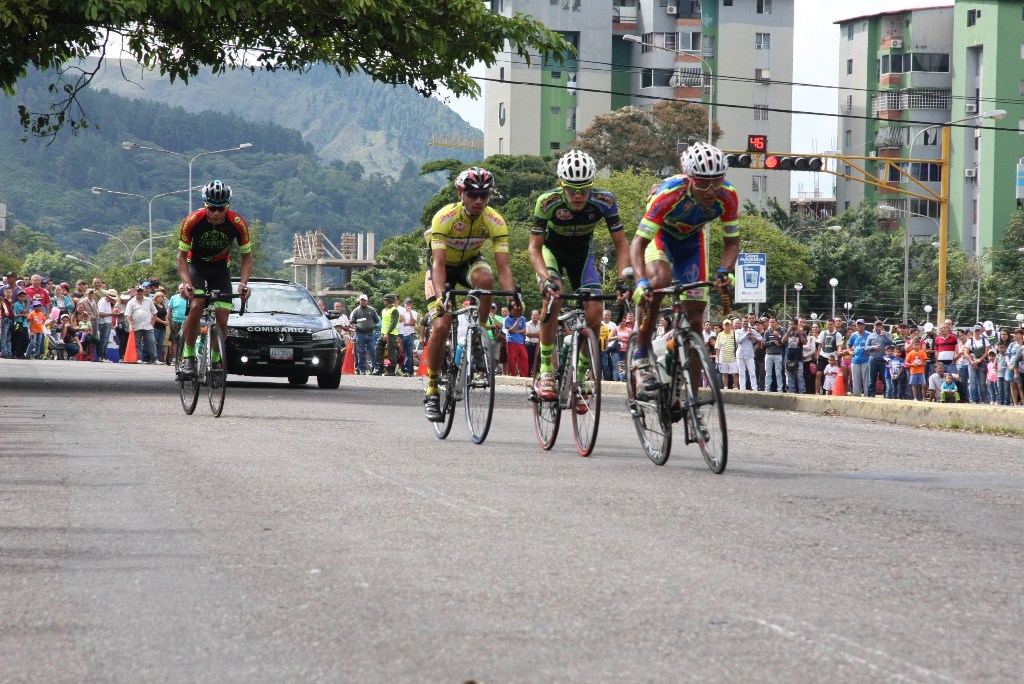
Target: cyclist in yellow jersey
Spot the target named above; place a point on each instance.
(457, 234)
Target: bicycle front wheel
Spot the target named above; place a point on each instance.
(652, 422)
(585, 368)
(447, 378)
(188, 388)
(706, 412)
(216, 370)
(547, 413)
(478, 384)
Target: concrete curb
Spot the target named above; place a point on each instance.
(914, 413)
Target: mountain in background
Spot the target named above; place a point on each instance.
(351, 118)
(338, 153)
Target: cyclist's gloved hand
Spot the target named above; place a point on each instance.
(640, 290)
(725, 278)
(436, 307)
(553, 284)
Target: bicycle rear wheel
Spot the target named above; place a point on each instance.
(706, 412)
(585, 370)
(547, 414)
(650, 415)
(216, 371)
(447, 377)
(188, 388)
(478, 383)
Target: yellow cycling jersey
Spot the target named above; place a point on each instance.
(462, 238)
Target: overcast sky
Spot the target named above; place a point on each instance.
(816, 61)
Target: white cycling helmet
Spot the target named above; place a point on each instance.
(703, 160)
(576, 167)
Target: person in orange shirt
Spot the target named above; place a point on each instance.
(916, 360)
(36, 331)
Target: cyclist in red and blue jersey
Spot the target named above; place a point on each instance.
(204, 258)
(671, 244)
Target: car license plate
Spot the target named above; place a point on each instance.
(281, 353)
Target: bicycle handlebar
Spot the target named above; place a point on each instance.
(476, 293)
(680, 288)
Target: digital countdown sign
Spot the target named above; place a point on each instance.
(757, 143)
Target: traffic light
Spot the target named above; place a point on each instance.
(739, 161)
(776, 162)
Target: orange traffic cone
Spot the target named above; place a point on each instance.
(130, 355)
(348, 366)
(839, 389)
(423, 369)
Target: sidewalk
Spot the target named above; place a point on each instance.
(885, 410)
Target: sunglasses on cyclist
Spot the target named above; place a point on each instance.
(577, 189)
(215, 209)
(477, 195)
(707, 184)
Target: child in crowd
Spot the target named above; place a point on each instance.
(831, 371)
(897, 374)
(916, 360)
(36, 331)
(949, 391)
(991, 378)
(1001, 382)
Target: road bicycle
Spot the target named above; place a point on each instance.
(677, 396)
(468, 375)
(577, 362)
(209, 344)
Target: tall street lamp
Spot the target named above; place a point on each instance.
(944, 196)
(112, 237)
(927, 312)
(149, 201)
(798, 287)
(833, 282)
(710, 77)
(848, 306)
(136, 146)
(81, 260)
(906, 253)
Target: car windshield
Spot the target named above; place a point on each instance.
(280, 299)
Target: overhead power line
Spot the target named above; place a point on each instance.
(759, 108)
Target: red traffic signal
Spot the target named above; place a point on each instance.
(793, 163)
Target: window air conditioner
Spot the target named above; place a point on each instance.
(671, 9)
(896, 43)
(971, 108)
(970, 173)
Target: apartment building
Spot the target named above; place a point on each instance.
(904, 76)
(745, 46)
(895, 81)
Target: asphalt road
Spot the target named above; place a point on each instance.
(328, 536)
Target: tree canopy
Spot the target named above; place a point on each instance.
(634, 138)
(425, 45)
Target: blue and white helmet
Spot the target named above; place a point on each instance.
(217, 193)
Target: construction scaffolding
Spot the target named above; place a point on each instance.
(313, 251)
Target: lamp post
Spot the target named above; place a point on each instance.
(1020, 319)
(798, 287)
(112, 237)
(711, 74)
(131, 258)
(906, 253)
(944, 196)
(80, 259)
(927, 312)
(833, 282)
(848, 306)
(136, 146)
(149, 201)
(604, 266)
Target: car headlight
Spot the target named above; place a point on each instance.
(240, 333)
(327, 334)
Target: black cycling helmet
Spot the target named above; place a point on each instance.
(475, 179)
(217, 193)
(390, 296)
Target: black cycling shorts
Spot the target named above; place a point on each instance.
(207, 277)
